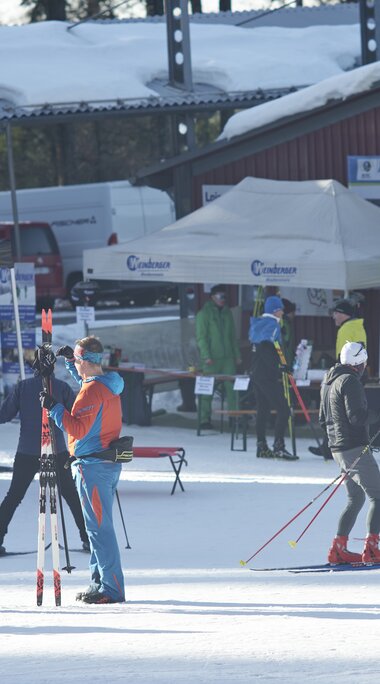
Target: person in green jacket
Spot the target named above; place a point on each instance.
(218, 347)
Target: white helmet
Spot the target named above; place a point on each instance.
(353, 354)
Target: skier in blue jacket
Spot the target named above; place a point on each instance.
(266, 377)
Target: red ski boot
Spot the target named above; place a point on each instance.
(339, 554)
(371, 552)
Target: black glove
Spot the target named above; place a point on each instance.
(66, 351)
(46, 400)
(44, 361)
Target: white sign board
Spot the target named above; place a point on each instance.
(364, 176)
(85, 314)
(204, 384)
(241, 382)
(212, 192)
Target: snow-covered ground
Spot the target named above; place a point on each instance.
(192, 612)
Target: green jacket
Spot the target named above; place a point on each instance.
(215, 332)
(351, 330)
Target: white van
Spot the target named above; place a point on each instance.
(91, 215)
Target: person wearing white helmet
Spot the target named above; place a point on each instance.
(343, 415)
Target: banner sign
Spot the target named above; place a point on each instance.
(212, 192)
(26, 298)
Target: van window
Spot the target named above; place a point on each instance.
(37, 240)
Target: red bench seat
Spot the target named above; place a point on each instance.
(176, 456)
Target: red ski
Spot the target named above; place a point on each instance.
(48, 480)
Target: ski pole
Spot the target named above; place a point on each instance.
(304, 410)
(122, 519)
(242, 562)
(298, 395)
(343, 477)
(291, 422)
(259, 302)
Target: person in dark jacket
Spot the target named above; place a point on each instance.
(24, 400)
(343, 415)
(267, 381)
(218, 347)
(349, 329)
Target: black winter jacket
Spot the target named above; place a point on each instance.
(265, 363)
(24, 399)
(343, 412)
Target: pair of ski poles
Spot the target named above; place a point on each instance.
(339, 480)
(288, 377)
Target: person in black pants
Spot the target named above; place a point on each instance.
(344, 417)
(24, 399)
(267, 381)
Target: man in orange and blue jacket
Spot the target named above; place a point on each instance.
(93, 423)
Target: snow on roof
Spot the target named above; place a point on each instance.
(334, 88)
(46, 63)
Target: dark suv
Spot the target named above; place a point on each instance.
(39, 246)
(125, 292)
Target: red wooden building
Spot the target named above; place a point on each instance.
(306, 146)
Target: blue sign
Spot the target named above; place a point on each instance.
(273, 271)
(147, 267)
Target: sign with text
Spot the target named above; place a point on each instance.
(212, 192)
(85, 314)
(241, 382)
(204, 384)
(26, 300)
(364, 176)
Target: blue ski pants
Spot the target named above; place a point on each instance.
(96, 483)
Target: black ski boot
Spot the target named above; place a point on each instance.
(2, 551)
(280, 451)
(263, 450)
(92, 589)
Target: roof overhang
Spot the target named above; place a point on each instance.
(227, 151)
(182, 103)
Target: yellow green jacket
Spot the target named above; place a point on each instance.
(351, 330)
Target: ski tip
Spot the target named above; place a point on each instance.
(243, 562)
(292, 544)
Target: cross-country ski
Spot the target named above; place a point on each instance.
(324, 567)
(48, 477)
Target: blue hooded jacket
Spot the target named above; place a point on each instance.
(266, 328)
(263, 333)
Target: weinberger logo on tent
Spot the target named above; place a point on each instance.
(273, 272)
(149, 267)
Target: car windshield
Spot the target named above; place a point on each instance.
(37, 240)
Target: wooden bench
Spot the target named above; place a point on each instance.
(176, 456)
(244, 414)
(162, 381)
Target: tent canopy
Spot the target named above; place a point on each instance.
(261, 232)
